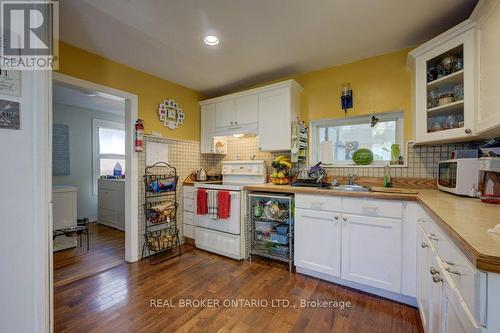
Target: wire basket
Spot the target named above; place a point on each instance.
(161, 240)
(160, 212)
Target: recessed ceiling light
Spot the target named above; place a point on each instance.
(211, 40)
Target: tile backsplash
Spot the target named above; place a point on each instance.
(240, 149)
(421, 160)
(185, 157)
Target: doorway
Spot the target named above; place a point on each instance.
(111, 223)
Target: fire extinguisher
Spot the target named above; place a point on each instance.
(139, 135)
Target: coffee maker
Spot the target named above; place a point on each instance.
(489, 180)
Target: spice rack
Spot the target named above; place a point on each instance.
(161, 234)
(271, 226)
(299, 142)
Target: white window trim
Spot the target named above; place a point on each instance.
(96, 124)
(316, 124)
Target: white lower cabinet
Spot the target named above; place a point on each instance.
(371, 251)
(317, 241)
(440, 302)
(355, 248)
(188, 211)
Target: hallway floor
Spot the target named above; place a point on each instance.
(107, 250)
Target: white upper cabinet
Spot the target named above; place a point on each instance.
(278, 108)
(267, 111)
(247, 109)
(207, 128)
(445, 83)
(209, 144)
(488, 17)
(225, 113)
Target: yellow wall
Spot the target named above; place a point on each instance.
(379, 84)
(150, 89)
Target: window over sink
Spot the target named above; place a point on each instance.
(334, 141)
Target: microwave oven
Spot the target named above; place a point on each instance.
(459, 176)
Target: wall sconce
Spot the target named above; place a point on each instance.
(346, 97)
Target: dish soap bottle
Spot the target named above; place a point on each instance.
(117, 171)
(387, 176)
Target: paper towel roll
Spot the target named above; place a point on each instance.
(326, 152)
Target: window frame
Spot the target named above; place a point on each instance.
(398, 116)
(96, 157)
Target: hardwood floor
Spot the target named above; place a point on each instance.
(119, 300)
(107, 249)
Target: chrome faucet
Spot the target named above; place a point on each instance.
(351, 179)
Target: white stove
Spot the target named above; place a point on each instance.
(225, 236)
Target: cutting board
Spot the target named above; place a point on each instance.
(393, 190)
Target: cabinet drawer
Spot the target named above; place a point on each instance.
(318, 202)
(470, 283)
(188, 218)
(188, 230)
(188, 205)
(188, 192)
(377, 208)
(106, 199)
(108, 215)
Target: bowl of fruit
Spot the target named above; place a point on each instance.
(282, 174)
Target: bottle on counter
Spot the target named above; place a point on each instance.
(387, 176)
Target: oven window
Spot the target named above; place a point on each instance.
(448, 174)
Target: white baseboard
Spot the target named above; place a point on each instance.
(375, 291)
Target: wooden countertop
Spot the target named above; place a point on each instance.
(465, 220)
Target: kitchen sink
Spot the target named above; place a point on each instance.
(350, 188)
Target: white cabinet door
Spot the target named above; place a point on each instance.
(433, 121)
(489, 79)
(436, 300)
(371, 251)
(317, 241)
(207, 128)
(247, 109)
(423, 277)
(457, 318)
(275, 132)
(225, 113)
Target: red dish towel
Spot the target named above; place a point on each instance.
(201, 202)
(224, 202)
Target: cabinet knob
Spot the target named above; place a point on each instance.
(468, 131)
(423, 245)
(236, 123)
(336, 217)
(434, 271)
(437, 279)
(232, 123)
(452, 271)
(344, 219)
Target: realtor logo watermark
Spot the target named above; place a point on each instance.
(29, 35)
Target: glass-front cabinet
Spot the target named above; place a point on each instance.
(445, 85)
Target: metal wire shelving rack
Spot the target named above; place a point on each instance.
(161, 234)
(271, 228)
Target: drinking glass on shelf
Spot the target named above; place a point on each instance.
(451, 122)
(432, 99)
(459, 65)
(458, 90)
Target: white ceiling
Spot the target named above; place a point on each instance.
(260, 39)
(92, 100)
